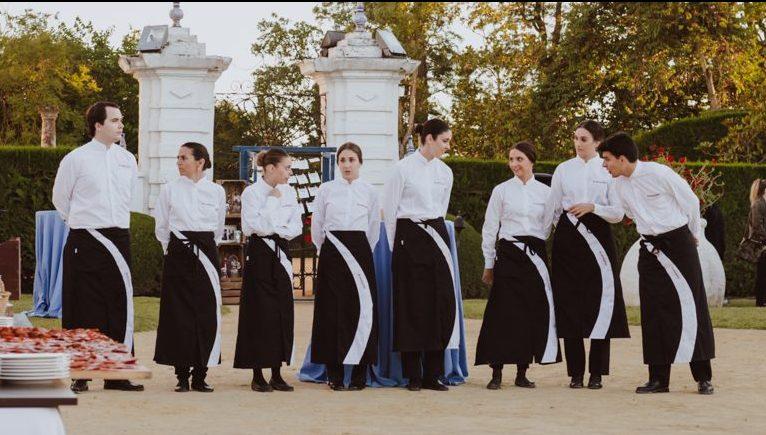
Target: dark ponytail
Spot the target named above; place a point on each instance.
(433, 126)
(272, 156)
(199, 152)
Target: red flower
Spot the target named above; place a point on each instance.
(682, 160)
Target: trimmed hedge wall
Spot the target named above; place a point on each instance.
(682, 136)
(475, 179)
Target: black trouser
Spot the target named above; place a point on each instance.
(701, 371)
(198, 374)
(521, 369)
(760, 281)
(432, 365)
(358, 374)
(598, 360)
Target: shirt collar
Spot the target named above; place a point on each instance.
(589, 162)
(518, 181)
(636, 171)
(421, 158)
(262, 185)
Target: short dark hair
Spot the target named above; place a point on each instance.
(199, 152)
(594, 128)
(96, 113)
(433, 126)
(527, 149)
(620, 144)
(272, 156)
(351, 147)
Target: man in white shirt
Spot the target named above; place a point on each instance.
(92, 193)
(675, 323)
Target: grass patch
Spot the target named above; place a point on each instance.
(145, 308)
(738, 314)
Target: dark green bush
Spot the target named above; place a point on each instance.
(471, 262)
(146, 253)
(682, 136)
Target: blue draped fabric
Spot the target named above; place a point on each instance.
(388, 371)
(50, 236)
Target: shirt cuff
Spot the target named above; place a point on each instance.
(489, 263)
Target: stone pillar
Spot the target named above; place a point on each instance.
(359, 89)
(176, 105)
(48, 129)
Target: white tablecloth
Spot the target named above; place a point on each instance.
(31, 421)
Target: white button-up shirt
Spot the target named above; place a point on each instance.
(576, 181)
(94, 185)
(418, 189)
(346, 206)
(184, 205)
(659, 200)
(264, 215)
(514, 209)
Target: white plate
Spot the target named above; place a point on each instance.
(33, 363)
(31, 369)
(10, 356)
(57, 375)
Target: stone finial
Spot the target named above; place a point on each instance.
(176, 14)
(360, 19)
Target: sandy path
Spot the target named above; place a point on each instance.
(737, 406)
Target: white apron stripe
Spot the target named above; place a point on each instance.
(688, 307)
(364, 326)
(212, 274)
(122, 265)
(288, 266)
(552, 343)
(454, 341)
(604, 319)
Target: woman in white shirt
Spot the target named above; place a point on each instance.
(424, 301)
(271, 217)
(189, 218)
(519, 323)
(345, 228)
(585, 270)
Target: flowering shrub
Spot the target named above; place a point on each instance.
(704, 181)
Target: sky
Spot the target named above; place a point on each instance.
(227, 29)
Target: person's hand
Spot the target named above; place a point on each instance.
(488, 276)
(580, 210)
(275, 193)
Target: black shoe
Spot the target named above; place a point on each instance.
(357, 386)
(122, 385)
(652, 387)
(576, 382)
(280, 385)
(705, 387)
(182, 386)
(494, 384)
(415, 385)
(594, 383)
(202, 387)
(434, 385)
(523, 382)
(79, 385)
(261, 387)
(336, 386)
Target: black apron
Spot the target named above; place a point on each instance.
(587, 294)
(424, 296)
(345, 309)
(675, 322)
(519, 325)
(97, 290)
(266, 312)
(188, 334)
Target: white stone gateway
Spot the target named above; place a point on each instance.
(176, 102)
(713, 274)
(359, 90)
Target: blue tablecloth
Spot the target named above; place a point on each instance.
(388, 371)
(50, 236)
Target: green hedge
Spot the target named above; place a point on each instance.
(475, 179)
(682, 136)
(147, 257)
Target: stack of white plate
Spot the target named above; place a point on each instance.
(6, 321)
(34, 367)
